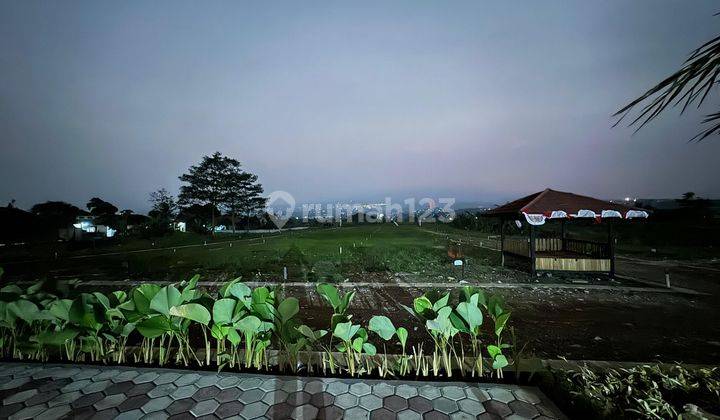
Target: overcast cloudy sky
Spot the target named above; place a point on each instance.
(341, 100)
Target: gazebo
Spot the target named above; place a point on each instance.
(560, 253)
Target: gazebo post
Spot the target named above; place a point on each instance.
(502, 241)
(532, 250)
(562, 234)
(611, 249)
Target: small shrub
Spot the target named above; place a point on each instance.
(648, 391)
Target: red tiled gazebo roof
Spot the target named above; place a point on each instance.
(558, 204)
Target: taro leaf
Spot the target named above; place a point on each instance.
(346, 301)
(338, 318)
(119, 296)
(458, 323)
(266, 326)
(330, 294)
(61, 309)
(56, 338)
(188, 292)
(34, 288)
(192, 311)
(233, 336)
(114, 313)
(382, 326)
(369, 348)
(499, 362)
(306, 331)
(500, 322)
(402, 335)
(288, 308)
(192, 283)
(81, 313)
(248, 325)
(345, 331)
(155, 326)
(264, 310)
(471, 314)
(142, 295)
(260, 295)
(493, 351)
(165, 299)
(310, 334)
(441, 324)
(357, 344)
(104, 301)
(423, 307)
(495, 306)
(127, 329)
(236, 289)
(223, 291)
(219, 331)
(45, 315)
(466, 292)
(441, 303)
(23, 309)
(12, 289)
(482, 301)
(128, 305)
(239, 312)
(223, 311)
(188, 295)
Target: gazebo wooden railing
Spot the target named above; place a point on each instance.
(521, 246)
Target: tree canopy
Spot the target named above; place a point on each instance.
(58, 213)
(100, 207)
(219, 182)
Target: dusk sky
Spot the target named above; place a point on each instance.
(347, 101)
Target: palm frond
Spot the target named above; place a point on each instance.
(688, 86)
(714, 128)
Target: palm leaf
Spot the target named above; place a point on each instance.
(688, 86)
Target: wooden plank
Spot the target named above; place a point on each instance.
(572, 264)
(517, 246)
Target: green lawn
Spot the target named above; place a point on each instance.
(373, 252)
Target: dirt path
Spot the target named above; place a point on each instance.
(700, 276)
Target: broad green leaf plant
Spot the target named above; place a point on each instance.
(241, 327)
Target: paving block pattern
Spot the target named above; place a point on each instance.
(46, 391)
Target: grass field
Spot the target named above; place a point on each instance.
(367, 253)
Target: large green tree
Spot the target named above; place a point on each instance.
(220, 182)
(58, 214)
(104, 212)
(243, 196)
(164, 209)
(163, 205)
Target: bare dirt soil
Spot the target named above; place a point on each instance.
(593, 324)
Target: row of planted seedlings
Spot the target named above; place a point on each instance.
(251, 329)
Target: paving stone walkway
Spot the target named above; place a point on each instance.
(84, 392)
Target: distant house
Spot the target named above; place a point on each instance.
(85, 227)
(180, 226)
